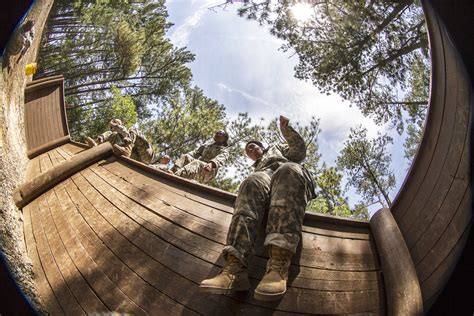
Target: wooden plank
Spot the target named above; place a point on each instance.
(448, 154)
(432, 286)
(440, 156)
(33, 168)
(432, 232)
(45, 163)
(155, 248)
(148, 182)
(183, 240)
(420, 165)
(448, 240)
(315, 258)
(72, 149)
(86, 298)
(231, 197)
(34, 187)
(46, 293)
(109, 293)
(64, 296)
(319, 250)
(119, 261)
(47, 146)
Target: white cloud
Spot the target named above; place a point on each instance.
(249, 97)
(180, 35)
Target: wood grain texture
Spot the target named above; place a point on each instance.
(45, 114)
(434, 206)
(120, 238)
(401, 281)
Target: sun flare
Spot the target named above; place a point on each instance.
(302, 11)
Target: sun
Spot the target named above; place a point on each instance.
(302, 12)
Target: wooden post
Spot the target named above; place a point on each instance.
(401, 281)
(46, 180)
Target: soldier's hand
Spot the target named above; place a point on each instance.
(284, 121)
(208, 167)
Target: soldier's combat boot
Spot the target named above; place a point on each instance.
(233, 277)
(273, 285)
(90, 142)
(122, 150)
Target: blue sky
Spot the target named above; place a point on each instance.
(239, 64)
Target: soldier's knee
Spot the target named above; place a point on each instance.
(254, 183)
(289, 169)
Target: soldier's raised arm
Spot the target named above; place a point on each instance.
(220, 159)
(295, 149)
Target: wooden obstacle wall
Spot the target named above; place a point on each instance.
(45, 115)
(433, 207)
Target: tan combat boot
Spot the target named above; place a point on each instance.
(273, 285)
(90, 142)
(122, 150)
(233, 277)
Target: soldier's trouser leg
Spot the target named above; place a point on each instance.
(145, 155)
(252, 201)
(194, 171)
(289, 195)
(183, 160)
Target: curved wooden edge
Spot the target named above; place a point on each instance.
(46, 180)
(43, 82)
(402, 287)
(230, 197)
(48, 146)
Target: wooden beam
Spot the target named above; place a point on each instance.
(402, 288)
(48, 146)
(46, 180)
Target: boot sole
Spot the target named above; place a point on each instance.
(217, 290)
(267, 297)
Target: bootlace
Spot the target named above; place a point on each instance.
(232, 265)
(278, 261)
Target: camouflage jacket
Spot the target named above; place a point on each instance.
(273, 156)
(211, 152)
(294, 150)
(120, 136)
(138, 139)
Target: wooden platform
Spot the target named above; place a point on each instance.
(114, 237)
(120, 236)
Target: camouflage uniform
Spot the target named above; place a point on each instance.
(191, 165)
(142, 150)
(280, 185)
(132, 139)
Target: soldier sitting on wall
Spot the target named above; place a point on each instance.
(202, 164)
(163, 164)
(126, 142)
(281, 185)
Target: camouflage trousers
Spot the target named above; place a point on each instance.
(284, 193)
(142, 154)
(193, 169)
(114, 138)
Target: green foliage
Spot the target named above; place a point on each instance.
(98, 45)
(419, 89)
(94, 121)
(367, 164)
(330, 196)
(361, 50)
(190, 118)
